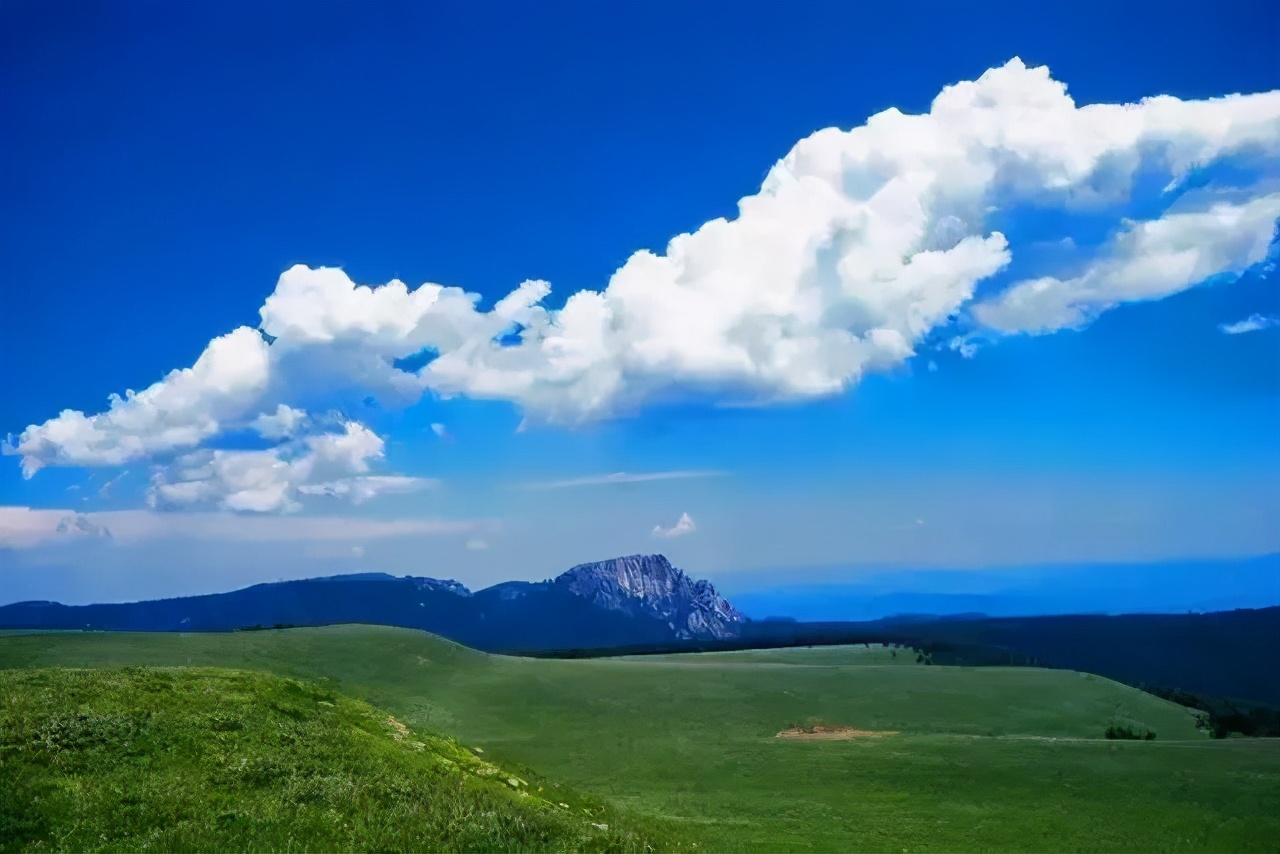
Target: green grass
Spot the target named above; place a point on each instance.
(986, 759)
(856, 654)
(208, 759)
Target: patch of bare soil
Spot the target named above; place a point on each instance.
(825, 732)
(398, 730)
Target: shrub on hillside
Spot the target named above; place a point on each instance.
(1133, 733)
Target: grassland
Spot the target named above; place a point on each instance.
(983, 759)
(207, 759)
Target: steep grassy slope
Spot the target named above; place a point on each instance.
(222, 760)
(983, 759)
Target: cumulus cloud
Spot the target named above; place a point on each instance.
(859, 244)
(1149, 260)
(182, 410)
(23, 527)
(279, 425)
(684, 525)
(271, 479)
(626, 477)
(1252, 323)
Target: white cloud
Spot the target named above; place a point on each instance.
(23, 527)
(477, 545)
(858, 244)
(441, 431)
(180, 411)
(270, 480)
(104, 491)
(1252, 323)
(361, 489)
(965, 345)
(684, 525)
(280, 425)
(1150, 260)
(626, 477)
(357, 551)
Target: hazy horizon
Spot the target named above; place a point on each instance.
(853, 593)
(1009, 303)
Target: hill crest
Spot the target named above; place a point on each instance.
(632, 599)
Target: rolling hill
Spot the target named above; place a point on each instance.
(1223, 655)
(201, 759)
(643, 603)
(993, 758)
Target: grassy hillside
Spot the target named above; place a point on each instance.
(851, 654)
(982, 759)
(222, 760)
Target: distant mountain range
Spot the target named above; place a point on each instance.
(1169, 587)
(642, 603)
(628, 600)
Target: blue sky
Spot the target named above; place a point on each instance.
(1062, 393)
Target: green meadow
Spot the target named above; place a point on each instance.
(209, 759)
(685, 748)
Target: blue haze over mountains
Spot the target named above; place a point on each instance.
(867, 593)
(642, 603)
(1119, 588)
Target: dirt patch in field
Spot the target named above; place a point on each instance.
(825, 732)
(398, 730)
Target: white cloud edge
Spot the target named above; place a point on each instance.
(1253, 323)
(1149, 260)
(358, 490)
(626, 477)
(683, 527)
(282, 424)
(275, 479)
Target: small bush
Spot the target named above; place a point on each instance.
(1117, 731)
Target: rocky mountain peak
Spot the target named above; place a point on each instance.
(446, 585)
(648, 585)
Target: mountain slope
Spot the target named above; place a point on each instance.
(630, 600)
(642, 588)
(650, 585)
